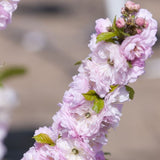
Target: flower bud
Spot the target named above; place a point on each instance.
(138, 30)
(140, 21)
(120, 23)
(137, 7)
(123, 10)
(131, 6)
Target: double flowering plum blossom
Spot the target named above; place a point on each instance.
(8, 100)
(102, 25)
(138, 48)
(7, 7)
(93, 103)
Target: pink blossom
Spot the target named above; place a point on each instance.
(102, 25)
(120, 23)
(47, 152)
(136, 70)
(80, 83)
(108, 67)
(79, 132)
(149, 33)
(48, 131)
(81, 121)
(2, 150)
(5, 17)
(113, 114)
(6, 10)
(140, 21)
(75, 149)
(139, 30)
(92, 44)
(100, 156)
(98, 140)
(30, 155)
(73, 98)
(135, 47)
(131, 6)
(8, 100)
(119, 95)
(136, 51)
(3, 130)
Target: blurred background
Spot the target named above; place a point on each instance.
(48, 37)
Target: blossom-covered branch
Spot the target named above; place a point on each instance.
(93, 103)
(8, 98)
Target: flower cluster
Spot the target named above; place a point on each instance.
(93, 103)
(7, 7)
(8, 97)
(8, 100)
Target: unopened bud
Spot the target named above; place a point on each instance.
(140, 21)
(137, 7)
(120, 23)
(131, 6)
(138, 30)
(123, 10)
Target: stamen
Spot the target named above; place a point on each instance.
(87, 115)
(75, 151)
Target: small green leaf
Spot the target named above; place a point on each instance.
(129, 64)
(119, 32)
(90, 95)
(114, 27)
(130, 91)
(98, 102)
(98, 105)
(107, 153)
(105, 36)
(78, 63)
(113, 87)
(9, 72)
(44, 139)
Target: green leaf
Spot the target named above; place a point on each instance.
(114, 27)
(130, 91)
(119, 32)
(78, 63)
(105, 36)
(9, 72)
(98, 105)
(44, 139)
(98, 102)
(90, 95)
(107, 153)
(113, 87)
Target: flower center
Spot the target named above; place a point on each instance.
(87, 115)
(75, 151)
(110, 62)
